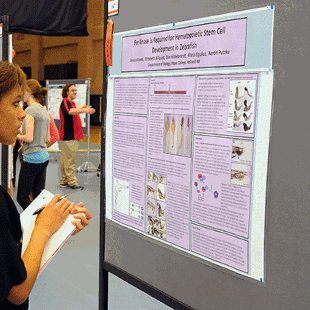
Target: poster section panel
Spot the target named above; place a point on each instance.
(129, 159)
(131, 95)
(182, 172)
(169, 158)
(223, 145)
(225, 105)
(129, 151)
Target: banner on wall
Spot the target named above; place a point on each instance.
(221, 44)
(48, 18)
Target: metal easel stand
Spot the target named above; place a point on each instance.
(87, 166)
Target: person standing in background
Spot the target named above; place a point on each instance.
(35, 135)
(70, 133)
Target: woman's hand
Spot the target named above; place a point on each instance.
(82, 216)
(53, 215)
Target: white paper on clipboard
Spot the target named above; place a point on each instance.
(56, 240)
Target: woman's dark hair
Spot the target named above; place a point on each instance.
(11, 75)
(37, 91)
(66, 89)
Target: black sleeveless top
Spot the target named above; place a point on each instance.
(12, 269)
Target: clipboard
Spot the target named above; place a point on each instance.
(56, 241)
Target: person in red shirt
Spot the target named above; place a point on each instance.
(70, 133)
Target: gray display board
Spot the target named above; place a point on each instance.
(6, 152)
(287, 254)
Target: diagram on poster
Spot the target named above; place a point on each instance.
(121, 196)
(203, 187)
(136, 211)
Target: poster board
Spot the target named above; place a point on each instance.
(287, 208)
(54, 98)
(10, 164)
(6, 172)
(189, 280)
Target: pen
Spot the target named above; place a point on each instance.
(40, 209)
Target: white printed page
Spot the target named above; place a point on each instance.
(56, 240)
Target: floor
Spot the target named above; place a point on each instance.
(71, 280)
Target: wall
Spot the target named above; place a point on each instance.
(39, 51)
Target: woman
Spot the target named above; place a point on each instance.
(35, 135)
(18, 274)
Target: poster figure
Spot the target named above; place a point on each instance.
(151, 207)
(240, 175)
(136, 210)
(242, 106)
(151, 189)
(178, 135)
(156, 205)
(242, 151)
(166, 133)
(188, 136)
(161, 192)
(203, 187)
(121, 196)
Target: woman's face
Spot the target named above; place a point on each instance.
(11, 116)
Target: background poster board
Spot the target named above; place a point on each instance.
(287, 212)
(10, 164)
(212, 288)
(6, 171)
(54, 98)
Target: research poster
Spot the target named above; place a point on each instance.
(183, 161)
(190, 143)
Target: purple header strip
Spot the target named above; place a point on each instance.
(221, 44)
